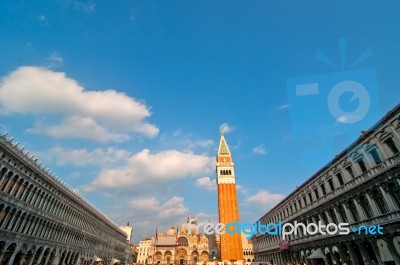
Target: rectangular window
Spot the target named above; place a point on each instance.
(366, 207)
(310, 197)
(340, 178)
(354, 212)
(324, 218)
(333, 216)
(392, 146)
(380, 202)
(305, 201)
(316, 194)
(299, 203)
(361, 163)
(317, 218)
(323, 189)
(350, 171)
(342, 214)
(331, 184)
(396, 197)
(375, 156)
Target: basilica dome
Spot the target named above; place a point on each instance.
(171, 231)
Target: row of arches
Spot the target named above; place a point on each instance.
(28, 254)
(366, 160)
(26, 190)
(225, 172)
(181, 256)
(29, 224)
(356, 252)
(376, 202)
(19, 221)
(35, 208)
(247, 252)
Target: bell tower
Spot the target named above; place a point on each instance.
(228, 211)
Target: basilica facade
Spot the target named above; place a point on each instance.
(183, 246)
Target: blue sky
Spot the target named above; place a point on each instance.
(124, 100)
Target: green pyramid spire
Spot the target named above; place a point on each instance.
(223, 146)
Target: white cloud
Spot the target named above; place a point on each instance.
(174, 207)
(242, 189)
(192, 145)
(146, 169)
(78, 128)
(283, 107)
(187, 142)
(98, 115)
(54, 60)
(348, 118)
(145, 204)
(205, 143)
(203, 217)
(74, 175)
(226, 128)
(83, 157)
(41, 18)
(265, 199)
(206, 183)
(85, 6)
(259, 150)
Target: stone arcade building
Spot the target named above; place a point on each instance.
(360, 186)
(45, 222)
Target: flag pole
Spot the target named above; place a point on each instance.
(176, 244)
(155, 246)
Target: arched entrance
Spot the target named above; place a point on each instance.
(158, 257)
(357, 253)
(63, 256)
(52, 257)
(384, 252)
(328, 256)
(204, 256)
(168, 257)
(370, 251)
(45, 255)
(29, 254)
(19, 258)
(346, 254)
(195, 257)
(182, 256)
(336, 255)
(8, 253)
(37, 255)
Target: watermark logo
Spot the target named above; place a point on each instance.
(327, 108)
(285, 230)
